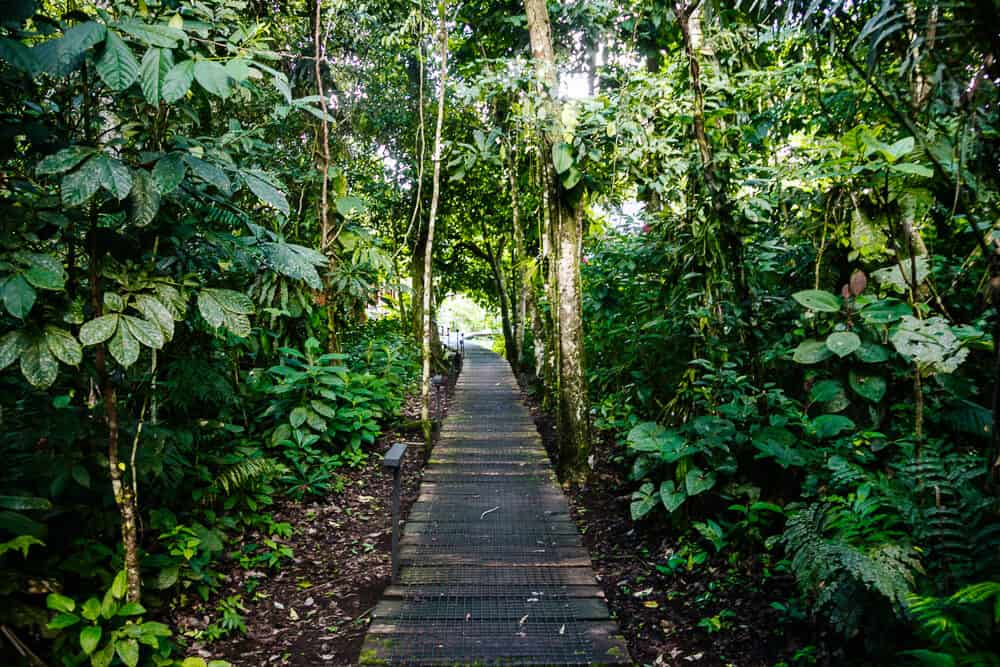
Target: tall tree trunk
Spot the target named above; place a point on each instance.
(574, 427)
(425, 386)
(123, 493)
(523, 286)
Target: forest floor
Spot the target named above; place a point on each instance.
(314, 609)
(717, 614)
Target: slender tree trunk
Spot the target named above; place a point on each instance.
(123, 493)
(425, 387)
(520, 265)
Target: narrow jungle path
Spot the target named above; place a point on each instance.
(492, 567)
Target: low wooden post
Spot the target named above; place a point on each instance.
(393, 460)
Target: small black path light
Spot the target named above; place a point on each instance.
(439, 382)
(461, 343)
(393, 460)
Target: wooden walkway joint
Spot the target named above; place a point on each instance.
(492, 568)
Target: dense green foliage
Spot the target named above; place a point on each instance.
(790, 285)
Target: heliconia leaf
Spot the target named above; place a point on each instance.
(144, 199)
(63, 345)
(117, 66)
(64, 160)
(99, 330)
(178, 81)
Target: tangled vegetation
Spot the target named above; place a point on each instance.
(745, 253)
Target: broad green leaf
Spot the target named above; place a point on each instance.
(63, 346)
(90, 636)
(114, 302)
(265, 191)
(898, 149)
(144, 199)
(18, 296)
(571, 178)
(62, 55)
(44, 271)
(885, 312)
(11, 346)
(825, 390)
(778, 443)
(871, 353)
(64, 160)
(131, 609)
(103, 657)
(177, 81)
(25, 503)
(117, 66)
(211, 309)
(18, 55)
(350, 205)
(239, 69)
(870, 387)
(154, 311)
(169, 172)
(671, 496)
(815, 299)
(912, 169)
(843, 343)
(58, 602)
(646, 437)
(119, 585)
(298, 417)
(154, 34)
(124, 347)
(828, 426)
(324, 409)
(99, 329)
(899, 276)
(562, 157)
(128, 651)
(295, 261)
(80, 185)
(38, 365)
(212, 76)
(193, 662)
(91, 609)
(153, 70)
(643, 501)
(144, 331)
(697, 481)
(232, 301)
(62, 621)
(116, 177)
(209, 173)
(811, 351)
(930, 344)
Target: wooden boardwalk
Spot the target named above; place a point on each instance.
(492, 567)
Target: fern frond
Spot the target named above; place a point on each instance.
(248, 472)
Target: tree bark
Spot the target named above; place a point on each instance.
(520, 265)
(425, 387)
(573, 423)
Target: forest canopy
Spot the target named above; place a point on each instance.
(745, 255)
